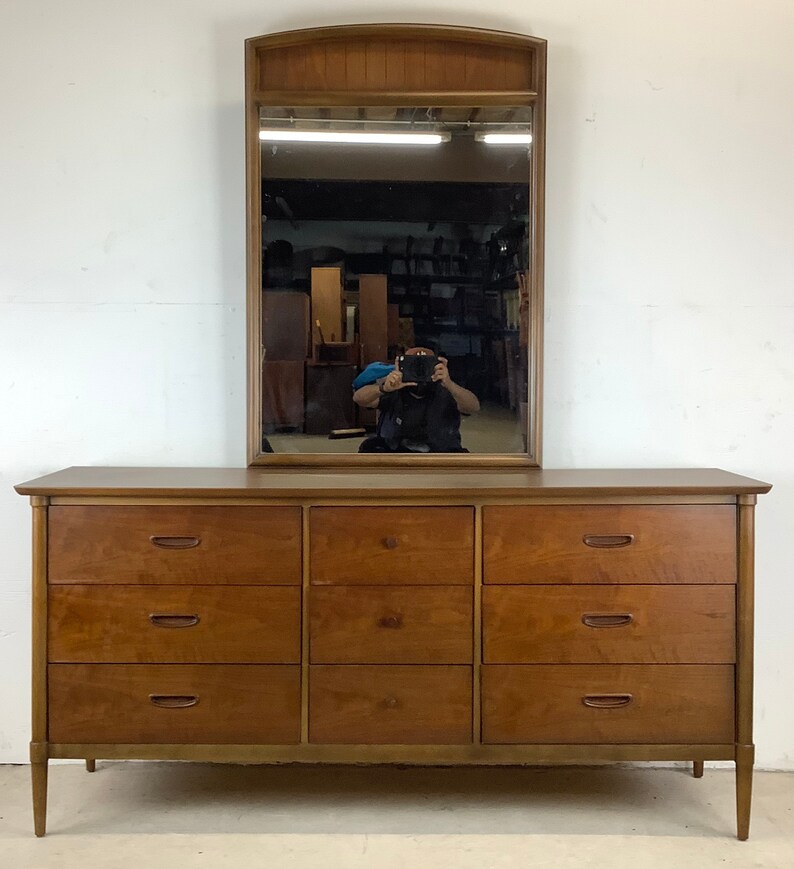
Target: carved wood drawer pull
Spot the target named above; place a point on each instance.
(608, 541)
(172, 620)
(391, 702)
(162, 542)
(391, 542)
(607, 701)
(173, 701)
(607, 620)
(391, 621)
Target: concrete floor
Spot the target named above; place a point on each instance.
(493, 430)
(182, 816)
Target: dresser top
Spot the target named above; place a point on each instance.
(267, 483)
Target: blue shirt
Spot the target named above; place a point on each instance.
(374, 371)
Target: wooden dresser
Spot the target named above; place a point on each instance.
(431, 618)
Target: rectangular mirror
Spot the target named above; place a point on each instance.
(384, 230)
(395, 246)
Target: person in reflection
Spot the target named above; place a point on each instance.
(416, 417)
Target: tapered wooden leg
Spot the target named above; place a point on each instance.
(39, 750)
(697, 768)
(90, 764)
(745, 755)
(39, 779)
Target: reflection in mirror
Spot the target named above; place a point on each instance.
(386, 233)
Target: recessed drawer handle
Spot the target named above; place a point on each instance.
(175, 542)
(172, 620)
(607, 701)
(173, 701)
(391, 542)
(391, 621)
(607, 620)
(608, 541)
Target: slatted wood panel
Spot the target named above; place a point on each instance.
(394, 65)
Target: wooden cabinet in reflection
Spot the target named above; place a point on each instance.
(282, 396)
(329, 397)
(307, 371)
(285, 345)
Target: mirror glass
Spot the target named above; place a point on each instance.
(395, 267)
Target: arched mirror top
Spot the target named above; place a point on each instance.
(396, 63)
(441, 249)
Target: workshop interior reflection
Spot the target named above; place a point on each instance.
(393, 234)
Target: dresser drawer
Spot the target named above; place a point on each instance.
(632, 624)
(398, 705)
(397, 625)
(190, 544)
(392, 545)
(172, 703)
(174, 624)
(608, 703)
(604, 543)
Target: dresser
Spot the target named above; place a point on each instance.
(483, 617)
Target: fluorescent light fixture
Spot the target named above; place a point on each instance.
(504, 138)
(354, 137)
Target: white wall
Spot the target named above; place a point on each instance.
(670, 255)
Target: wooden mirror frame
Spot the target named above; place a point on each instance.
(400, 65)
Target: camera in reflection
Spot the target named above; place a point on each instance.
(417, 368)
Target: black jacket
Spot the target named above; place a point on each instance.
(433, 418)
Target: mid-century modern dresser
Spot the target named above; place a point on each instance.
(483, 617)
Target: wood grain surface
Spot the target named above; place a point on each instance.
(390, 704)
(546, 703)
(656, 544)
(630, 624)
(235, 703)
(415, 480)
(394, 58)
(398, 625)
(129, 624)
(392, 545)
(247, 545)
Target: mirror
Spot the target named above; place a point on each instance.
(386, 229)
(395, 246)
